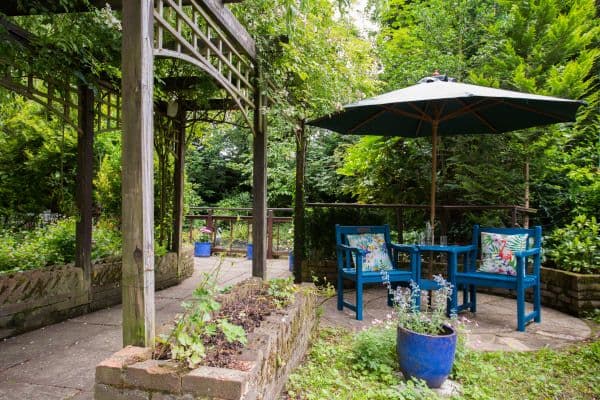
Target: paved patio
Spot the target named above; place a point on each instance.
(57, 362)
(492, 328)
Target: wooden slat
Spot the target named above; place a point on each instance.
(137, 175)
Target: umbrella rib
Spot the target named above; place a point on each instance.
(464, 110)
(557, 117)
(480, 117)
(422, 115)
(366, 121)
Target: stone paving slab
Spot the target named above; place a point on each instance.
(492, 328)
(58, 361)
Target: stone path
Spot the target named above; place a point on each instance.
(57, 362)
(492, 328)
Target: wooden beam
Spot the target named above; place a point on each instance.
(83, 192)
(299, 202)
(230, 25)
(137, 174)
(15, 7)
(259, 187)
(179, 179)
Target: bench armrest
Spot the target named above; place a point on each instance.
(527, 253)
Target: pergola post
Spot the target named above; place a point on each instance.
(83, 192)
(299, 202)
(137, 174)
(259, 186)
(178, 190)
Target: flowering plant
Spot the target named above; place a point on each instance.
(409, 315)
(205, 234)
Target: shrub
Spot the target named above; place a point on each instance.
(54, 244)
(576, 247)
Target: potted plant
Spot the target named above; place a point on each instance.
(426, 342)
(203, 247)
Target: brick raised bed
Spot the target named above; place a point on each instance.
(32, 299)
(274, 349)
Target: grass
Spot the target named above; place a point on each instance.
(335, 369)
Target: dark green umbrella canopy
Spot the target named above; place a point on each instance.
(438, 106)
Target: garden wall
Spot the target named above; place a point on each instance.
(32, 299)
(274, 349)
(572, 293)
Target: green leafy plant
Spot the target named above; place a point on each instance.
(374, 351)
(282, 290)
(186, 340)
(576, 247)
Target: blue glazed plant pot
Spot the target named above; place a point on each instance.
(426, 357)
(202, 249)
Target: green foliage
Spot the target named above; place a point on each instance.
(331, 371)
(571, 373)
(576, 247)
(54, 244)
(186, 340)
(37, 161)
(374, 351)
(334, 370)
(282, 290)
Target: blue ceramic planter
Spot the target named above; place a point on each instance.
(202, 249)
(426, 357)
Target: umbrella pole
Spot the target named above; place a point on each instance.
(434, 141)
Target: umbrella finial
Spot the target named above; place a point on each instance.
(436, 72)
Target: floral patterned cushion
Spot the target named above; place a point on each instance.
(497, 252)
(377, 257)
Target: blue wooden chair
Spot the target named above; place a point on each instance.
(504, 262)
(362, 253)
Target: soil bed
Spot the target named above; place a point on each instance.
(245, 305)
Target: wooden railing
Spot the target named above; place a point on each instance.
(279, 237)
(444, 212)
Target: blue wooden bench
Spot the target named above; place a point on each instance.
(362, 253)
(504, 262)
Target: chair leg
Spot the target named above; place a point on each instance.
(359, 301)
(340, 292)
(520, 308)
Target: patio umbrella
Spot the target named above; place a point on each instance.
(439, 106)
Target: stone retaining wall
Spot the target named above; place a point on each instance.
(36, 298)
(274, 349)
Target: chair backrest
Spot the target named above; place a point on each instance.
(342, 233)
(500, 243)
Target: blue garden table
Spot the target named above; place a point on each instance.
(452, 251)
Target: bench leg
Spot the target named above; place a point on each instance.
(537, 303)
(473, 298)
(359, 300)
(520, 308)
(340, 292)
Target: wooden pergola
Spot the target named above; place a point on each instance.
(206, 35)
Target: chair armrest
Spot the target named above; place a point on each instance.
(406, 248)
(356, 250)
(348, 250)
